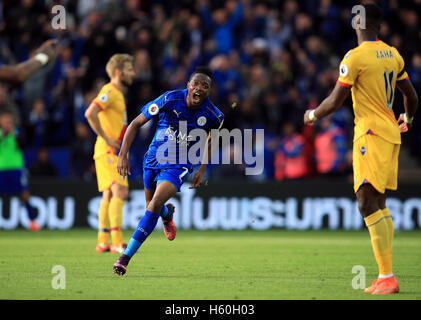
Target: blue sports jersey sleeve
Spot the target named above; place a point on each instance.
(153, 108)
(220, 122)
(218, 119)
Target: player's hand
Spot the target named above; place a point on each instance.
(197, 180)
(48, 48)
(307, 120)
(403, 126)
(123, 167)
(115, 144)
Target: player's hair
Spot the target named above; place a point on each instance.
(373, 15)
(117, 61)
(204, 70)
(5, 111)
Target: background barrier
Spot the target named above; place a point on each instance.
(299, 205)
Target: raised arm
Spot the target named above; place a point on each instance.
(22, 71)
(410, 102)
(329, 105)
(236, 16)
(206, 14)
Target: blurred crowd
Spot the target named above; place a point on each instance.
(272, 59)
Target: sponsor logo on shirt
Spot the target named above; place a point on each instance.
(179, 138)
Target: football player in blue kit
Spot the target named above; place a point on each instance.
(178, 112)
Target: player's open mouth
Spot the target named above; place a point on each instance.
(197, 97)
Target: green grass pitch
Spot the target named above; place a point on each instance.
(201, 265)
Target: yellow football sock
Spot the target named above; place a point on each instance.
(116, 220)
(389, 221)
(103, 222)
(379, 233)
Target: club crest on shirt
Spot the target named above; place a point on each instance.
(201, 121)
(153, 109)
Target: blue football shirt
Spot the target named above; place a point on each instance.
(174, 128)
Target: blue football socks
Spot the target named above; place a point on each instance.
(145, 227)
(31, 211)
(164, 211)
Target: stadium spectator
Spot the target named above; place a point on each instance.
(415, 134)
(272, 112)
(260, 52)
(43, 167)
(290, 159)
(7, 103)
(142, 66)
(81, 164)
(277, 35)
(231, 171)
(37, 124)
(221, 23)
(330, 148)
(226, 77)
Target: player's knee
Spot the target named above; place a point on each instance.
(155, 205)
(382, 202)
(120, 192)
(123, 193)
(366, 206)
(368, 200)
(362, 208)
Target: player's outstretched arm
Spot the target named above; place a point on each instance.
(410, 101)
(329, 105)
(22, 71)
(123, 160)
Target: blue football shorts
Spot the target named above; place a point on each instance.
(13, 182)
(177, 176)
